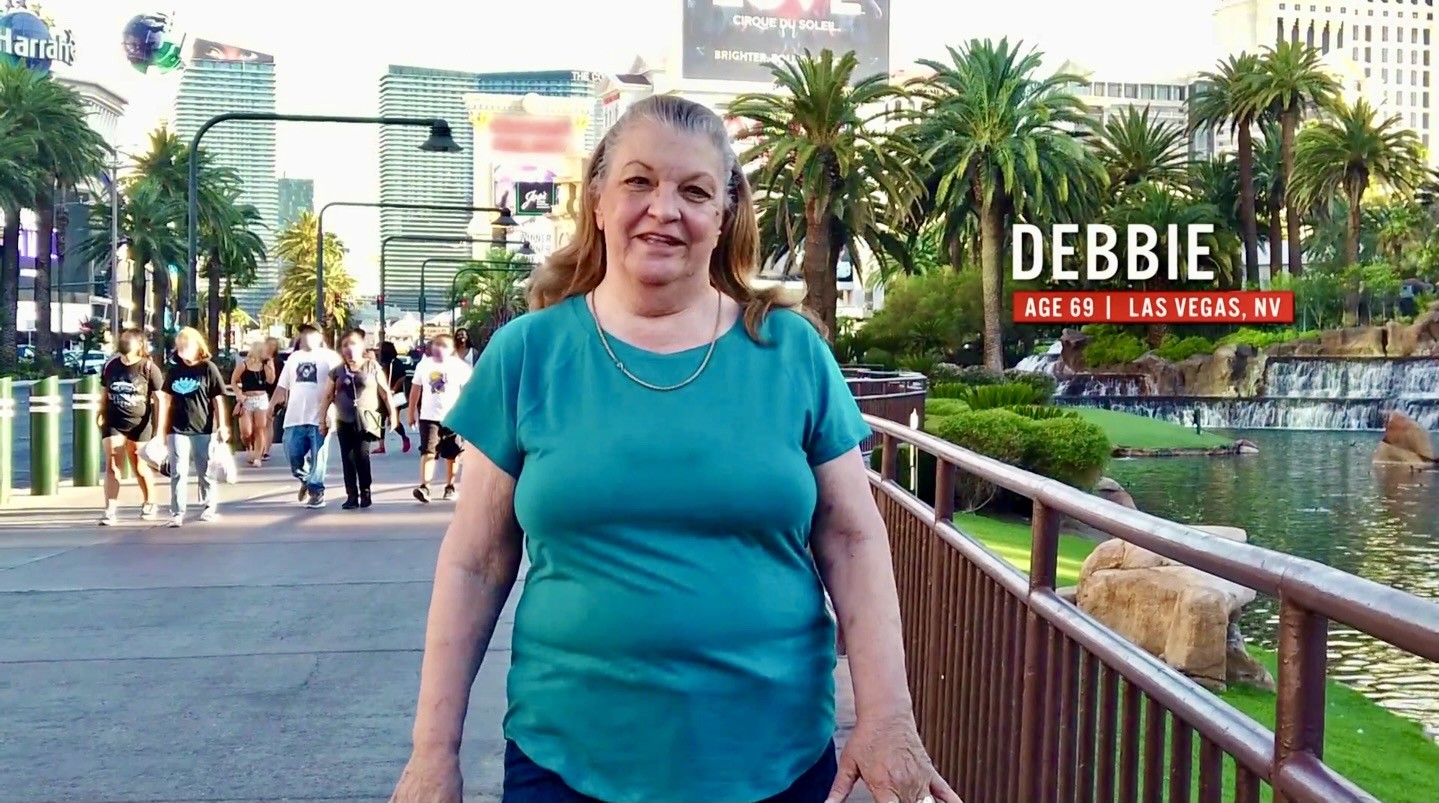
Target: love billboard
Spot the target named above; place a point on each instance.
(735, 40)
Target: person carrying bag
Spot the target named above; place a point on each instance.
(358, 390)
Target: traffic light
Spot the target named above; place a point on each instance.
(380, 301)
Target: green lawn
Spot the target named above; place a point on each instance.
(1356, 731)
(1143, 432)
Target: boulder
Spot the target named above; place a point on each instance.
(1354, 341)
(1244, 446)
(1071, 353)
(1112, 491)
(1404, 442)
(1175, 612)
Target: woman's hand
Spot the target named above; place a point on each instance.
(889, 757)
(430, 778)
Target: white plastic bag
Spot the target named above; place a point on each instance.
(156, 453)
(222, 462)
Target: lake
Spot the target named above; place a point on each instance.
(1317, 495)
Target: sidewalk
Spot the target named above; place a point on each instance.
(273, 654)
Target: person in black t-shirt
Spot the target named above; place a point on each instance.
(195, 422)
(130, 402)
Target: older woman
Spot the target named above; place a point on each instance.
(681, 452)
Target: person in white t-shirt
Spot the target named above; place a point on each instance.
(439, 378)
(301, 388)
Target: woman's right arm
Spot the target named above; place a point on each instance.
(478, 563)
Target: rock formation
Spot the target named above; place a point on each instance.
(1405, 443)
(1177, 613)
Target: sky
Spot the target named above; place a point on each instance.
(329, 57)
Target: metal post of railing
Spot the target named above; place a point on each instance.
(7, 438)
(45, 437)
(85, 442)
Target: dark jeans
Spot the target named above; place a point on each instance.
(354, 458)
(527, 782)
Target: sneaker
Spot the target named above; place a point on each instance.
(450, 493)
(365, 500)
(422, 493)
(317, 500)
(177, 520)
(209, 514)
(109, 518)
(405, 447)
(148, 512)
(302, 494)
(350, 503)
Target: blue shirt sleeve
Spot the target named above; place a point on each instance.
(837, 425)
(485, 414)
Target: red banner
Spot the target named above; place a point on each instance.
(1252, 306)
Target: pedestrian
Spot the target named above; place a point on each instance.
(252, 380)
(463, 349)
(399, 393)
(131, 405)
(194, 424)
(302, 391)
(439, 378)
(358, 391)
(680, 454)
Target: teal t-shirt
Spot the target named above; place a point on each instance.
(671, 642)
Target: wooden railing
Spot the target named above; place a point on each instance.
(896, 396)
(1020, 696)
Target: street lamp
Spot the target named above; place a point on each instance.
(439, 141)
(504, 220)
(429, 238)
(115, 323)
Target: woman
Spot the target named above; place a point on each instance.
(463, 349)
(672, 641)
(194, 423)
(395, 375)
(255, 378)
(359, 390)
(129, 408)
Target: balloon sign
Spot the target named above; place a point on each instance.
(149, 41)
(26, 40)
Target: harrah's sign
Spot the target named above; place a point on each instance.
(1145, 261)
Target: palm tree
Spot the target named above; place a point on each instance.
(1136, 146)
(154, 241)
(1291, 79)
(295, 249)
(816, 137)
(19, 182)
(66, 152)
(1002, 146)
(1343, 152)
(1225, 101)
(233, 251)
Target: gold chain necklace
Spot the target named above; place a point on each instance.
(714, 339)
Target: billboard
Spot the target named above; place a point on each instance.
(533, 198)
(734, 40)
(208, 50)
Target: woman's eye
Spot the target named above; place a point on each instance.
(637, 181)
(697, 194)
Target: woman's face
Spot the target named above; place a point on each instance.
(661, 207)
(188, 351)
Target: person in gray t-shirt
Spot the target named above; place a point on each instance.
(358, 390)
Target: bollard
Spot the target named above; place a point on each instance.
(7, 438)
(85, 441)
(45, 437)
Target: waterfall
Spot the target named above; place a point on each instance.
(1041, 363)
(1329, 393)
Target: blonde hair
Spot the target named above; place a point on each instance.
(192, 335)
(578, 267)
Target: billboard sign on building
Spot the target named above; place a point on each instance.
(736, 40)
(534, 198)
(30, 41)
(208, 50)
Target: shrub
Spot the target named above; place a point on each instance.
(977, 375)
(1040, 412)
(1068, 449)
(1000, 434)
(945, 370)
(991, 396)
(938, 408)
(1176, 350)
(919, 363)
(1112, 349)
(878, 356)
(1044, 384)
(948, 390)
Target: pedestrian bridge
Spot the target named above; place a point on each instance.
(1020, 696)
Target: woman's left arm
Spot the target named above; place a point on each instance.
(851, 547)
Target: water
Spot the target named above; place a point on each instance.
(1317, 495)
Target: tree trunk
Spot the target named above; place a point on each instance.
(212, 305)
(1276, 244)
(816, 264)
(9, 292)
(139, 279)
(161, 281)
(229, 314)
(1288, 123)
(44, 321)
(991, 233)
(1249, 219)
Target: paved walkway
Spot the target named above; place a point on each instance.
(272, 655)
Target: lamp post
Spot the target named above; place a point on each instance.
(115, 323)
(439, 141)
(427, 238)
(503, 220)
(455, 280)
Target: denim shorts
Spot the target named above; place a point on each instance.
(527, 782)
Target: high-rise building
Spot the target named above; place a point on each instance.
(409, 175)
(296, 195)
(1383, 50)
(223, 78)
(1166, 101)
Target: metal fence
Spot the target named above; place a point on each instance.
(1021, 696)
